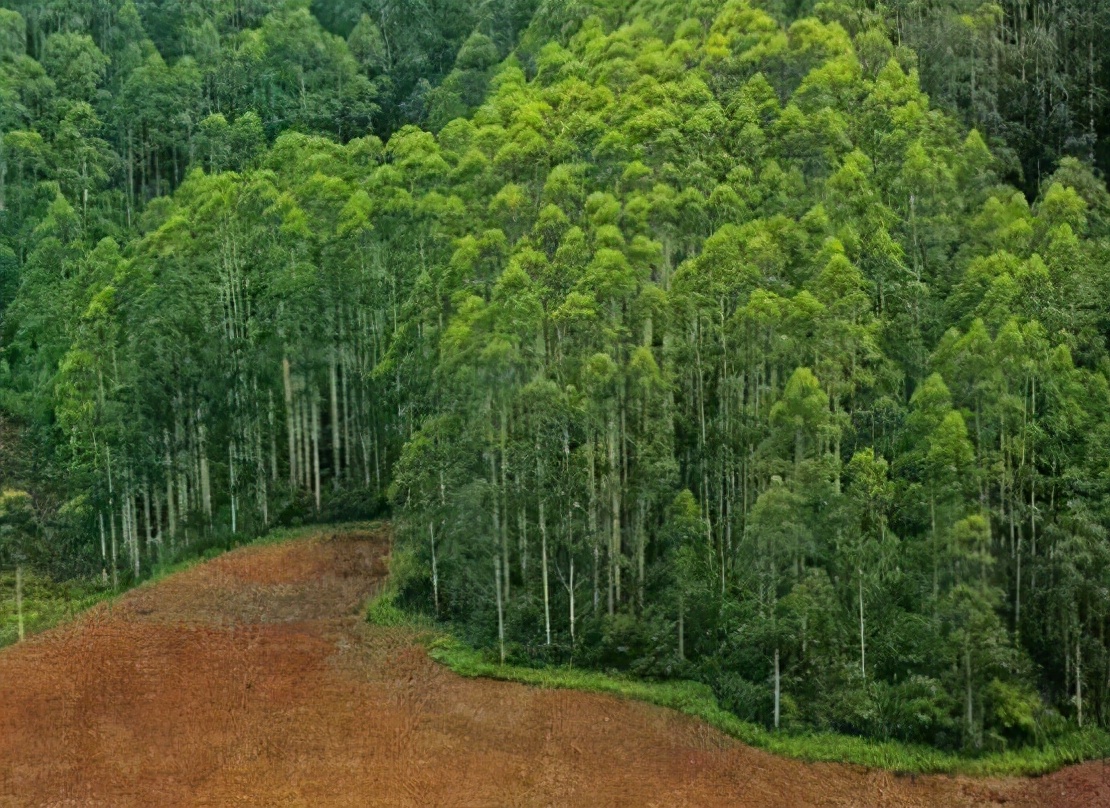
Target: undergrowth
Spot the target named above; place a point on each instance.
(698, 700)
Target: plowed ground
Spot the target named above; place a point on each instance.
(253, 680)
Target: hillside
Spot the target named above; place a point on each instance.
(684, 340)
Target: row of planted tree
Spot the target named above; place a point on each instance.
(719, 355)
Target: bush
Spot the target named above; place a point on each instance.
(746, 700)
(383, 611)
(1010, 714)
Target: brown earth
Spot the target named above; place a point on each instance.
(252, 680)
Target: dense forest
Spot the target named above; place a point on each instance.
(763, 344)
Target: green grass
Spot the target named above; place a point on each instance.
(697, 700)
(46, 603)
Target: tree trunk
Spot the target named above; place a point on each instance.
(505, 499)
(103, 552)
(115, 549)
(19, 599)
(335, 447)
(231, 485)
(158, 523)
(968, 695)
(205, 478)
(1078, 683)
(146, 517)
(500, 611)
(132, 518)
(171, 515)
(681, 627)
(572, 599)
(862, 636)
(778, 688)
(435, 568)
(543, 553)
(615, 520)
(315, 415)
(306, 442)
(346, 424)
(592, 520)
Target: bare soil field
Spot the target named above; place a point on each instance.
(253, 680)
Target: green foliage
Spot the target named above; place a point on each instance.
(697, 700)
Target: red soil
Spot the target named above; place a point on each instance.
(253, 681)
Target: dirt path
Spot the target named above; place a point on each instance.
(253, 681)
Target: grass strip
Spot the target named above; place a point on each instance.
(47, 603)
(698, 700)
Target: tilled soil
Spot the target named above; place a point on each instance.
(252, 680)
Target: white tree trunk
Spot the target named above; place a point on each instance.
(103, 552)
(862, 636)
(205, 478)
(231, 485)
(546, 594)
(315, 414)
(19, 600)
(778, 687)
(435, 568)
(147, 526)
(572, 599)
(115, 550)
(500, 610)
(289, 422)
(335, 447)
(1078, 683)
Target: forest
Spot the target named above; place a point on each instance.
(763, 344)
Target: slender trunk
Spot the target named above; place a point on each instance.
(543, 553)
(592, 519)
(158, 523)
(778, 688)
(306, 441)
(315, 414)
(500, 612)
(862, 636)
(146, 517)
(1078, 683)
(505, 499)
(615, 552)
(205, 478)
(231, 485)
(273, 438)
(19, 599)
(522, 541)
(346, 424)
(1017, 591)
(970, 716)
(132, 519)
(435, 568)
(936, 551)
(681, 626)
(641, 563)
(335, 447)
(115, 549)
(289, 428)
(572, 599)
(171, 515)
(496, 500)
(103, 552)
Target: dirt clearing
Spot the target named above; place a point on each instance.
(252, 680)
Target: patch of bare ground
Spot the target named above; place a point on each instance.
(252, 680)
